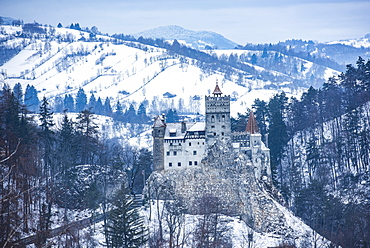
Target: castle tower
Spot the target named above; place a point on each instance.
(252, 126)
(218, 123)
(260, 153)
(159, 128)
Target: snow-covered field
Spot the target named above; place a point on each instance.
(129, 72)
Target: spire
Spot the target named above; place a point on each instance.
(159, 121)
(252, 126)
(217, 90)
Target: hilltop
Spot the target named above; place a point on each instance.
(60, 61)
(196, 39)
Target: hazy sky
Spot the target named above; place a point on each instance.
(242, 21)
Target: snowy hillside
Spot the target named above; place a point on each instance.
(63, 60)
(137, 135)
(358, 43)
(195, 39)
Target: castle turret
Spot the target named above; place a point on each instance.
(218, 123)
(159, 128)
(252, 126)
(260, 153)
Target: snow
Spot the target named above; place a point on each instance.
(110, 70)
(362, 42)
(137, 135)
(6, 30)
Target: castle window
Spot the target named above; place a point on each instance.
(194, 152)
(222, 134)
(172, 132)
(170, 144)
(212, 126)
(223, 118)
(190, 163)
(168, 153)
(212, 119)
(195, 162)
(189, 143)
(169, 164)
(179, 164)
(223, 126)
(214, 134)
(174, 153)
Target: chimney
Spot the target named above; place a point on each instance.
(183, 127)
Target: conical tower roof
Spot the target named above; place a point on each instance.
(159, 122)
(252, 126)
(217, 90)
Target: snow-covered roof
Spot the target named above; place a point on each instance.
(158, 122)
(173, 130)
(198, 126)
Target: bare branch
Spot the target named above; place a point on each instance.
(10, 171)
(13, 153)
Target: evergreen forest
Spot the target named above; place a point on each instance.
(319, 147)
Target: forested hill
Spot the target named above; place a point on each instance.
(319, 140)
(320, 154)
(59, 61)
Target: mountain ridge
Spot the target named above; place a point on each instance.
(196, 39)
(130, 71)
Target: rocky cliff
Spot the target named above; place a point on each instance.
(229, 178)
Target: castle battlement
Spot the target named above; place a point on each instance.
(217, 104)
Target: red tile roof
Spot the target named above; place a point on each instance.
(217, 90)
(252, 126)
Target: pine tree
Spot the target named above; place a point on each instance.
(18, 93)
(261, 114)
(172, 116)
(77, 26)
(277, 133)
(264, 53)
(141, 114)
(47, 138)
(130, 114)
(30, 99)
(99, 109)
(118, 115)
(69, 104)
(107, 107)
(67, 160)
(92, 103)
(125, 227)
(87, 136)
(81, 100)
(58, 104)
(254, 59)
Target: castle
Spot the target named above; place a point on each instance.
(183, 145)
